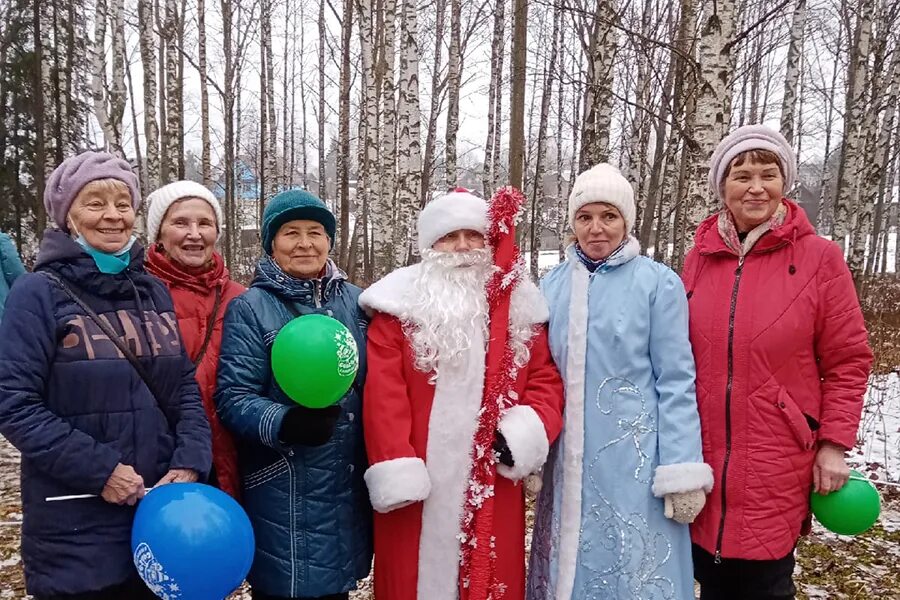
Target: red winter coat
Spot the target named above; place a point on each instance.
(398, 404)
(796, 368)
(194, 295)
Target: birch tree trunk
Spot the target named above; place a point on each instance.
(537, 206)
(343, 157)
(598, 93)
(789, 103)
(489, 173)
(851, 169)
(368, 139)
(205, 152)
(409, 152)
(713, 108)
(173, 93)
(272, 141)
(382, 207)
(232, 226)
(437, 90)
(148, 62)
(117, 93)
(825, 217)
(98, 79)
(454, 76)
(517, 100)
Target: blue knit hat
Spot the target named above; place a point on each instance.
(292, 205)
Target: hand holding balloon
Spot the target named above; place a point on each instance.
(851, 510)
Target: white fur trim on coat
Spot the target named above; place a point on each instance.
(451, 430)
(682, 477)
(397, 482)
(527, 440)
(394, 295)
(573, 431)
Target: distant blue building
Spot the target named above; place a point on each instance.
(246, 184)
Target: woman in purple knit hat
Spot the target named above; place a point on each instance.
(96, 389)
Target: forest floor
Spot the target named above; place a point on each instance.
(828, 566)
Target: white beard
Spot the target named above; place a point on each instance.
(449, 304)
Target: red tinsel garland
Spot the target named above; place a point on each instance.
(477, 556)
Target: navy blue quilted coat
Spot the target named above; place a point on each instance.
(74, 407)
(309, 505)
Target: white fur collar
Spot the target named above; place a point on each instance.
(393, 295)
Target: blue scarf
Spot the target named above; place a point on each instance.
(593, 265)
(109, 263)
(292, 287)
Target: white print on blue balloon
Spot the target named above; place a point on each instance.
(153, 574)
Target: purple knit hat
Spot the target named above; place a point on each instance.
(751, 137)
(76, 172)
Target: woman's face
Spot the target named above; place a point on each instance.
(599, 229)
(301, 248)
(102, 212)
(188, 232)
(752, 192)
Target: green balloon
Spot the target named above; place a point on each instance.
(849, 511)
(314, 360)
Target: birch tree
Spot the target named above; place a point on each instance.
(343, 157)
(454, 76)
(713, 108)
(409, 153)
(148, 62)
(850, 170)
(788, 105)
(601, 50)
(205, 151)
(173, 94)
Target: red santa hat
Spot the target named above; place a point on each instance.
(459, 209)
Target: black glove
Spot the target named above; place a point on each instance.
(501, 448)
(309, 426)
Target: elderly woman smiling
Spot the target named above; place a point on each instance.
(96, 389)
(782, 365)
(301, 468)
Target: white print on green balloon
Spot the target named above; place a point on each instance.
(347, 354)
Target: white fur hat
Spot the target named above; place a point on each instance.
(603, 183)
(164, 197)
(460, 209)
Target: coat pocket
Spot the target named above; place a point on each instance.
(795, 419)
(266, 474)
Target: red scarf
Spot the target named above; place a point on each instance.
(200, 280)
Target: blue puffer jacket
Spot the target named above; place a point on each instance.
(10, 268)
(308, 505)
(75, 408)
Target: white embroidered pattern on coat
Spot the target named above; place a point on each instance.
(635, 552)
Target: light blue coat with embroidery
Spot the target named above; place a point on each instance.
(620, 338)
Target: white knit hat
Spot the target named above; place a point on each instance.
(164, 197)
(460, 209)
(603, 183)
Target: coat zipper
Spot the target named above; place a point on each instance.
(316, 293)
(734, 296)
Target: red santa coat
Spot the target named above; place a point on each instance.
(419, 440)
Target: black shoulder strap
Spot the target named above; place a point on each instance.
(114, 338)
(210, 325)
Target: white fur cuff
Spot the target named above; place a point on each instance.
(397, 482)
(527, 440)
(682, 477)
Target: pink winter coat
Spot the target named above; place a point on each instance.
(782, 363)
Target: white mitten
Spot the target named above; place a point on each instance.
(684, 507)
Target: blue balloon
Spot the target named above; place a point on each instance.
(191, 541)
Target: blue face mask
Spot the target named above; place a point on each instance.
(110, 264)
